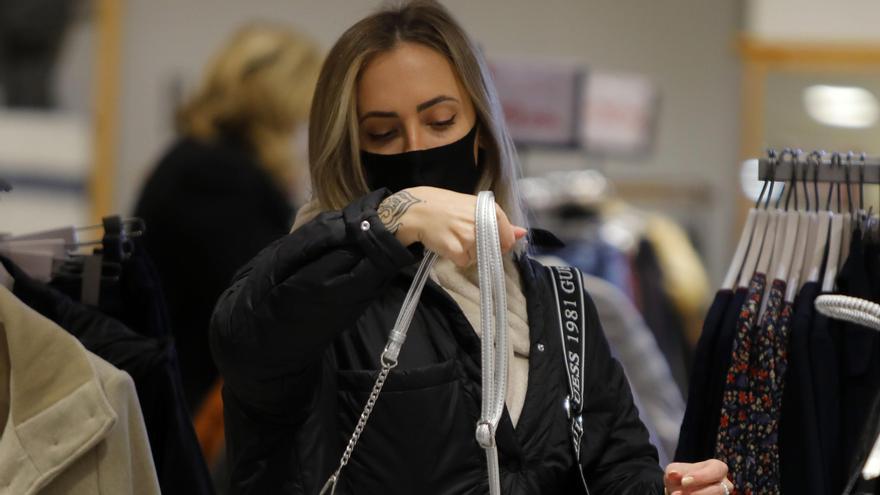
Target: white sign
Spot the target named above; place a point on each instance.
(540, 100)
(618, 114)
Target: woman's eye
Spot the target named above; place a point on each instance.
(442, 124)
(384, 136)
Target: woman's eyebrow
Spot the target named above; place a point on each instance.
(433, 101)
(421, 107)
(376, 113)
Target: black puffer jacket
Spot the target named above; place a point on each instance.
(298, 337)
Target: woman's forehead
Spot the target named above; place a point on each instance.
(409, 74)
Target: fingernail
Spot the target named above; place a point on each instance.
(687, 480)
(674, 473)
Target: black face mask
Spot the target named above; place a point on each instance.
(450, 166)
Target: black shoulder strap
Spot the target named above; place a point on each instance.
(568, 287)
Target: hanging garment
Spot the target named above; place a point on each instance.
(151, 363)
(695, 426)
(860, 361)
(597, 258)
(136, 299)
(800, 451)
(73, 425)
(824, 356)
(766, 370)
(660, 314)
(731, 444)
(684, 277)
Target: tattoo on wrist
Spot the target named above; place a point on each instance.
(391, 210)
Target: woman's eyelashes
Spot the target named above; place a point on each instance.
(382, 136)
(443, 124)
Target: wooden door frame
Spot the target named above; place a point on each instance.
(106, 86)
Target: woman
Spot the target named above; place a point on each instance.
(405, 127)
(223, 190)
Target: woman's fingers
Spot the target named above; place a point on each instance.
(702, 478)
(705, 473)
(713, 489)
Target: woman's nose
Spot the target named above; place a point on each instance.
(413, 141)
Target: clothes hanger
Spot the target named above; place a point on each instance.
(800, 249)
(762, 218)
(784, 250)
(770, 262)
(835, 236)
(745, 240)
(771, 236)
(848, 217)
(816, 248)
(784, 255)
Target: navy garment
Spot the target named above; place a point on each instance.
(697, 437)
(661, 316)
(597, 258)
(824, 367)
(860, 362)
(151, 363)
(800, 452)
(693, 427)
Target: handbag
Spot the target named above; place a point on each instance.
(568, 287)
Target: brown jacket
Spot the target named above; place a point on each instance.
(71, 422)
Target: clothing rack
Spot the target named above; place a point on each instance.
(831, 168)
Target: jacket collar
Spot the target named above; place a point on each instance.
(58, 408)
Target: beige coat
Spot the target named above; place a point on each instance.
(71, 422)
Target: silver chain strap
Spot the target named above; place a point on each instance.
(359, 429)
(389, 362)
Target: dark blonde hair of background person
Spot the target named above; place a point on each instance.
(334, 151)
(258, 87)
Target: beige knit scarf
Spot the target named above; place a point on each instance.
(463, 285)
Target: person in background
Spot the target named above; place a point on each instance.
(224, 189)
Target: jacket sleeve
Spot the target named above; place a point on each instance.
(616, 456)
(289, 302)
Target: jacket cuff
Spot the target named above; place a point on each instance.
(362, 224)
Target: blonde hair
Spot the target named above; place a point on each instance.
(257, 88)
(334, 154)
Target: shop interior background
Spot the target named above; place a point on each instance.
(114, 101)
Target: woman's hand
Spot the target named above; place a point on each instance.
(443, 221)
(702, 478)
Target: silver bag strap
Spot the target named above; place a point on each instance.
(494, 350)
(389, 361)
(493, 321)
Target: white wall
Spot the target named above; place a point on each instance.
(814, 20)
(685, 46)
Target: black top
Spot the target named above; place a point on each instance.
(699, 428)
(694, 427)
(208, 208)
(801, 461)
(298, 337)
